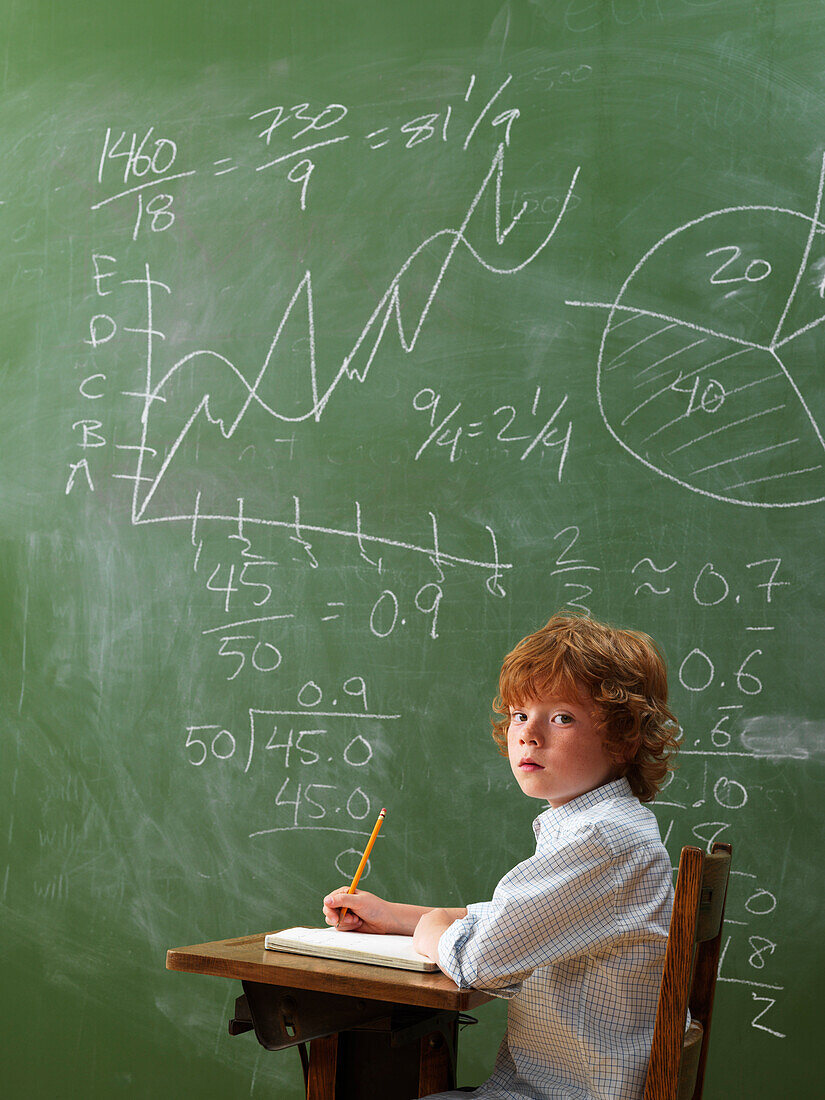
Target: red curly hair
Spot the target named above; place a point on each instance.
(620, 672)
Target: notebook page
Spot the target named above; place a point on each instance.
(353, 943)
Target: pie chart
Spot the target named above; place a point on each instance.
(709, 365)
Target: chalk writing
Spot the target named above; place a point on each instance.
(217, 437)
(448, 432)
(650, 360)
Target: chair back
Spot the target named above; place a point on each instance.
(677, 1058)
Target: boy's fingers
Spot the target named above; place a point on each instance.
(333, 897)
(339, 899)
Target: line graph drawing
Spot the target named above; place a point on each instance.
(224, 393)
(707, 366)
(366, 346)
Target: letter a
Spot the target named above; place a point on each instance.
(74, 467)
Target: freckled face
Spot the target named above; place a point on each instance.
(555, 750)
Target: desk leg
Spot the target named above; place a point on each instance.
(323, 1061)
(382, 1063)
(436, 1066)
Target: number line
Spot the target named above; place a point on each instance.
(360, 536)
(141, 187)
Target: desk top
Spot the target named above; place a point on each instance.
(246, 958)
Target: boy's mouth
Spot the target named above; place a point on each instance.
(529, 765)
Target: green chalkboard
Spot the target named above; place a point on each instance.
(343, 344)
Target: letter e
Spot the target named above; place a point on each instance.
(99, 275)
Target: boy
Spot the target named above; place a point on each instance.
(575, 935)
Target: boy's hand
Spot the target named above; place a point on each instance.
(365, 912)
(429, 930)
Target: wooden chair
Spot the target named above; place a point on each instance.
(677, 1059)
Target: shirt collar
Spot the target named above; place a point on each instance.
(616, 788)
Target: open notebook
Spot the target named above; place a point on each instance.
(329, 943)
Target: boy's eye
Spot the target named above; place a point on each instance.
(518, 716)
(563, 718)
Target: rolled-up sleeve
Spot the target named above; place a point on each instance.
(558, 903)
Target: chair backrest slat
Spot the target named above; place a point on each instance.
(677, 1059)
(712, 902)
(691, 1055)
(706, 966)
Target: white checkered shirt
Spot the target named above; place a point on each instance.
(575, 938)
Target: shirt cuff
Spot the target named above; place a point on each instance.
(459, 955)
(450, 944)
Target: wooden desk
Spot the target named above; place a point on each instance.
(375, 1032)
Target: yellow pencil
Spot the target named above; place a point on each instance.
(363, 862)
